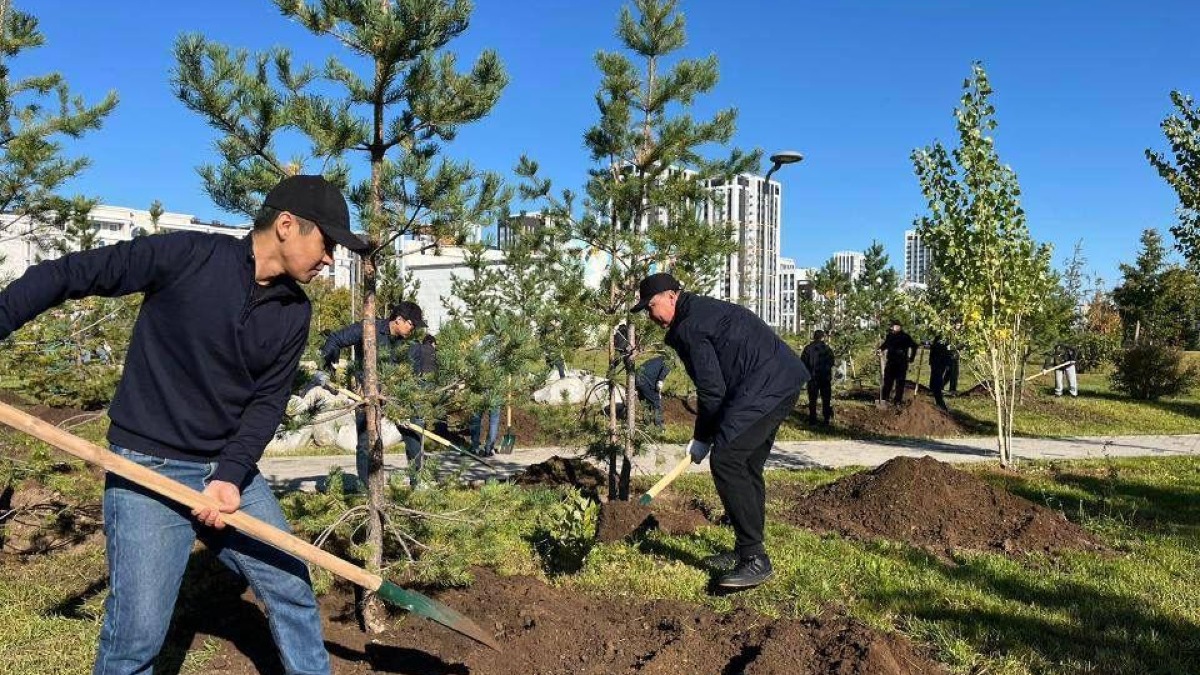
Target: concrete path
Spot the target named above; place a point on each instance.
(308, 473)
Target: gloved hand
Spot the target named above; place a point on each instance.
(321, 378)
(698, 450)
(660, 384)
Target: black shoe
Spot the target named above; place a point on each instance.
(750, 572)
(722, 562)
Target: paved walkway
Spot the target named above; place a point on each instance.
(307, 473)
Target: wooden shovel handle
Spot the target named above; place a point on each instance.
(175, 491)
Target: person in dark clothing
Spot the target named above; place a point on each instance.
(390, 335)
(650, 379)
(899, 350)
(747, 382)
(939, 369)
(217, 342)
(952, 371)
(818, 358)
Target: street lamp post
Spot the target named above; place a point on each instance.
(778, 160)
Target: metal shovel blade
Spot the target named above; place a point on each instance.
(429, 608)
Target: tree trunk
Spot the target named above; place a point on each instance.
(374, 613)
(630, 415)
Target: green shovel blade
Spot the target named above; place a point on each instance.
(432, 609)
(645, 499)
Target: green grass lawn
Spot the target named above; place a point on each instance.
(1136, 610)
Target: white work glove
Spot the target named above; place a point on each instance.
(660, 384)
(698, 450)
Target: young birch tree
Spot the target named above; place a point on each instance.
(991, 274)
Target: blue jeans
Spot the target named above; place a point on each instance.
(149, 541)
(493, 430)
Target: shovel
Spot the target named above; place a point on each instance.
(416, 429)
(666, 480)
(917, 377)
(1048, 370)
(395, 595)
(510, 439)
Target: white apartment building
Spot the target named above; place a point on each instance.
(788, 298)
(849, 263)
(917, 259)
(22, 240)
(751, 274)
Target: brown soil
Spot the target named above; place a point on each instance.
(916, 417)
(34, 520)
(566, 471)
(43, 412)
(619, 520)
(930, 504)
(543, 629)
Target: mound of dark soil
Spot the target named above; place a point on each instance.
(35, 520)
(571, 472)
(619, 520)
(931, 504)
(916, 417)
(543, 629)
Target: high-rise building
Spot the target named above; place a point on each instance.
(916, 259)
(787, 295)
(849, 263)
(750, 275)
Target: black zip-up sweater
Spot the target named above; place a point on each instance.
(742, 370)
(213, 353)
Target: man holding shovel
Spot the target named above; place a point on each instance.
(209, 368)
(747, 382)
(391, 333)
(898, 350)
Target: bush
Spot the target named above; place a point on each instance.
(1149, 372)
(1095, 350)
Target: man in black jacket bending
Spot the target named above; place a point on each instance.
(209, 368)
(747, 382)
(898, 350)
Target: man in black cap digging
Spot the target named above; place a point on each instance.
(390, 334)
(209, 368)
(747, 382)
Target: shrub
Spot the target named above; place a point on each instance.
(1095, 350)
(1148, 372)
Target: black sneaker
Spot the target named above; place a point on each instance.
(722, 562)
(750, 572)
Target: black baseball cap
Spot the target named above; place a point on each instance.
(652, 286)
(411, 311)
(316, 199)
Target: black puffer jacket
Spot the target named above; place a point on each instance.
(742, 370)
(818, 358)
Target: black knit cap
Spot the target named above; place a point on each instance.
(316, 199)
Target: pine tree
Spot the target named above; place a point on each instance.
(37, 114)
(393, 109)
(644, 198)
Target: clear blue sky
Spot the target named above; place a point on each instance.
(855, 85)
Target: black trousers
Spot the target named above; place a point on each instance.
(952, 375)
(937, 382)
(822, 386)
(737, 471)
(894, 375)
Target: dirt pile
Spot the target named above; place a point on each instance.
(543, 629)
(35, 520)
(930, 504)
(916, 417)
(571, 472)
(619, 520)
